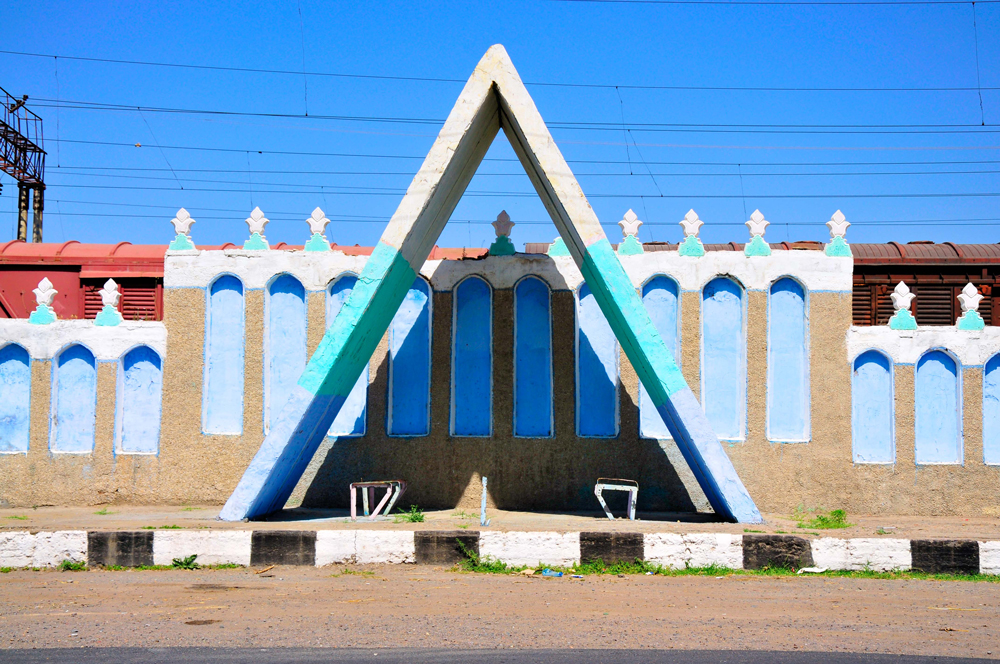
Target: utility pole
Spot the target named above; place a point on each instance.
(22, 158)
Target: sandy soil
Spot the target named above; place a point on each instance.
(406, 605)
(132, 517)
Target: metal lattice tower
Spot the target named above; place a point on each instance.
(22, 158)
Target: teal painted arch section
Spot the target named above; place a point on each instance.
(873, 408)
(15, 399)
(351, 421)
(938, 406)
(222, 392)
(788, 385)
(138, 402)
(533, 379)
(991, 411)
(73, 412)
(661, 297)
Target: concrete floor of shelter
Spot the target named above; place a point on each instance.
(135, 517)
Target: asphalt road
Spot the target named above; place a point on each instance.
(419, 656)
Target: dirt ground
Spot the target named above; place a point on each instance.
(133, 517)
(410, 606)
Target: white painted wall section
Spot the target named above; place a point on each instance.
(531, 548)
(22, 549)
(43, 342)
(213, 547)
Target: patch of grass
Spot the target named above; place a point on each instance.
(462, 514)
(464, 526)
(6, 570)
(139, 568)
(222, 566)
(162, 527)
(103, 511)
(747, 530)
(835, 519)
(18, 517)
(473, 562)
(359, 572)
(72, 566)
(189, 509)
(185, 563)
(415, 515)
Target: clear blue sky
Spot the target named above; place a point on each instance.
(847, 158)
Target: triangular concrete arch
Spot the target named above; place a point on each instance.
(494, 98)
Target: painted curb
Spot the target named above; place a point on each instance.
(22, 549)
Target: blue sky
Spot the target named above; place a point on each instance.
(722, 152)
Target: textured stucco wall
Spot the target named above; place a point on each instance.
(524, 473)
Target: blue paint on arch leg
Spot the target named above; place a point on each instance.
(351, 419)
(660, 298)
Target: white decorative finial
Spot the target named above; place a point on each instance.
(110, 294)
(757, 223)
(630, 224)
(182, 222)
(45, 293)
(901, 297)
(969, 298)
(503, 224)
(838, 225)
(317, 222)
(691, 224)
(257, 221)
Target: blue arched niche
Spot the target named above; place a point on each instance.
(532, 359)
(472, 359)
(938, 402)
(222, 404)
(596, 370)
(991, 411)
(350, 421)
(284, 343)
(74, 400)
(409, 398)
(140, 393)
(723, 358)
(872, 409)
(660, 297)
(15, 399)
(787, 363)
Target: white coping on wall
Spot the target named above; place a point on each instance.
(861, 553)
(315, 269)
(213, 547)
(385, 546)
(520, 548)
(972, 348)
(44, 342)
(22, 549)
(693, 550)
(989, 557)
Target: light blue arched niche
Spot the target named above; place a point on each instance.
(222, 404)
(284, 343)
(991, 411)
(409, 399)
(532, 359)
(938, 402)
(723, 358)
(140, 394)
(787, 363)
(350, 421)
(74, 400)
(873, 419)
(596, 370)
(660, 297)
(15, 399)
(472, 359)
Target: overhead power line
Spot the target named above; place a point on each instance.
(657, 127)
(432, 79)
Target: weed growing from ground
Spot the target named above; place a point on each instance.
(18, 517)
(185, 563)
(71, 566)
(6, 570)
(103, 511)
(415, 515)
(835, 519)
(473, 562)
(162, 527)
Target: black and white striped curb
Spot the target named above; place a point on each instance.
(436, 547)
